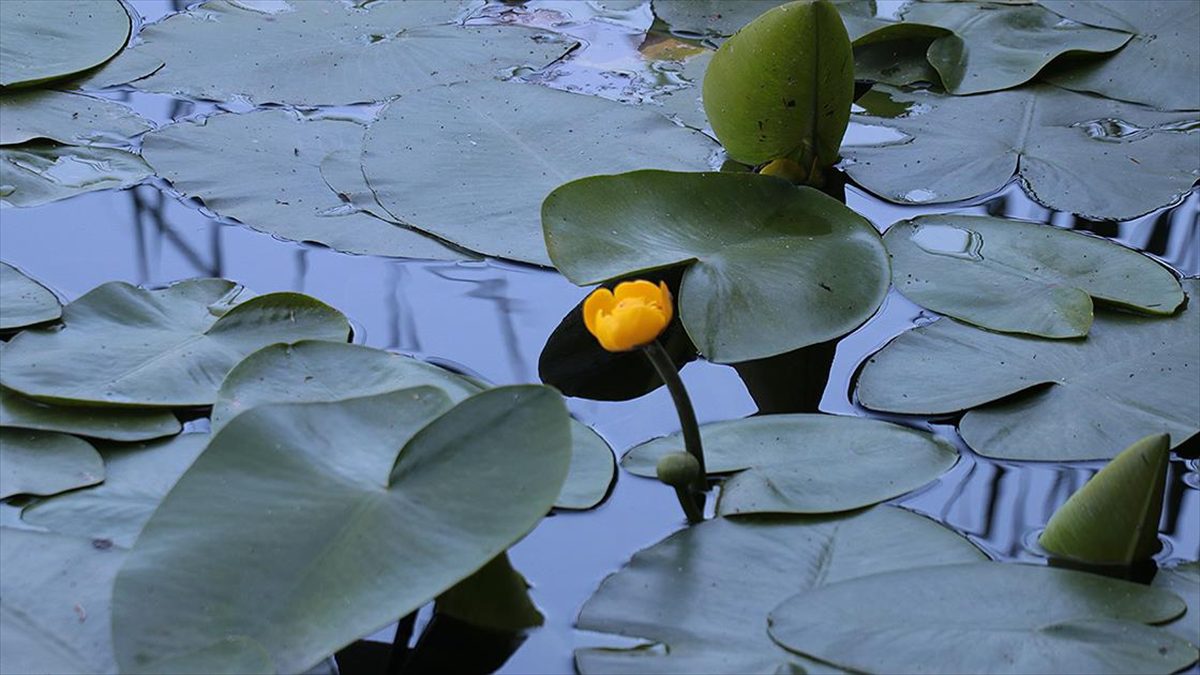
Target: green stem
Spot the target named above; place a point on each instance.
(691, 507)
(683, 406)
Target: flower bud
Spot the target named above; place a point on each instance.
(678, 469)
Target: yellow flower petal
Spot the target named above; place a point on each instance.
(601, 300)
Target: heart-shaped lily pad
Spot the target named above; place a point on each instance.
(264, 169)
(24, 301)
(1101, 159)
(117, 424)
(319, 53)
(520, 141)
(702, 595)
(123, 345)
(45, 463)
(985, 618)
(771, 267)
(48, 40)
(33, 174)
(312, 371)
(1080, 399)
(1156, 68)
(400, 503)
(1183, 580)
(807, 463)
(1013, 276)
(67, 118)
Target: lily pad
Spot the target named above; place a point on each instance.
(117, 424)
(721, 18)
(324, 53)
(1156, 68)
(985, 618)
(48, 40)
(136, 479)
(67, 118)
(264, 169)
(1113, 518)
(993, 47)
(124, 345)
(39, 173)
(1184, 581)
(522, 141)
(1019, 277)
(312, 371)
(24, 301)
(1133, 376)
(396, 511)
(1101, 159)
(771, 267)
(45, 463)
(55, 603)
(703, 593)
(807, 463)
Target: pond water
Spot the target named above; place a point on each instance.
(491, 319)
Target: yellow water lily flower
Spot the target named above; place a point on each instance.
(632, 315)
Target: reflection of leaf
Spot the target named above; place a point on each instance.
(36, 173)
(1132, 376)
(45, 463)
(985, 618)
(496, 597)
(1019, 277)
(117, 424)
(66, 118)
(400, 502)
(772, 267)
(1097, 158)
(24, 301)
(807, 463)
(705, 591)
(48, 40)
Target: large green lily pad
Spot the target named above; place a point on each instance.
(1184, 581)
(396, 510)
(1080, 399)
(1156, 68)
(312, 371)
(67, 118)
(136, 478)
(703, 593)
(508, 145)
(45, 463)
(807, 463)
(33, 174)
(264, 169)
(715, 19)
(117, 424)
(55, 603)
(24, 301)
(985, 618)
(1101, 159)
(48, 40)
(123, 345)
(771, 267)
(1019, 277)
(328, 53)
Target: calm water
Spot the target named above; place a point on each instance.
(492, 318)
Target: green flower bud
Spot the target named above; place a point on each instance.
(678, 469)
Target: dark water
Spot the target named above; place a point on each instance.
(492, 318)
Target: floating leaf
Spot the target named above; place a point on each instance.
(807, 463)
(894, 53)
(1133, 376)
(117, 424)
(1101, 159)
(123, 345)
(1018, 277)
(34, 174)
(264, 168)
(312, 371)
(1184, 581)
(48, 40)
(985, 618)
(496, 597)
(24, 301)
(66, 118)
(522, 141)
(136, 478)
(1113, 519)
(55, 603)
(1156, 68)
(773, 267)
(720, 18)
(397, 508)
(704, 592)
(321, 53)
(782, 88)
(45, 463)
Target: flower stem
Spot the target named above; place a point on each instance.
(683, 406)
(691, 504)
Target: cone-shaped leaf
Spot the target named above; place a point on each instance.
(1114, 518)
